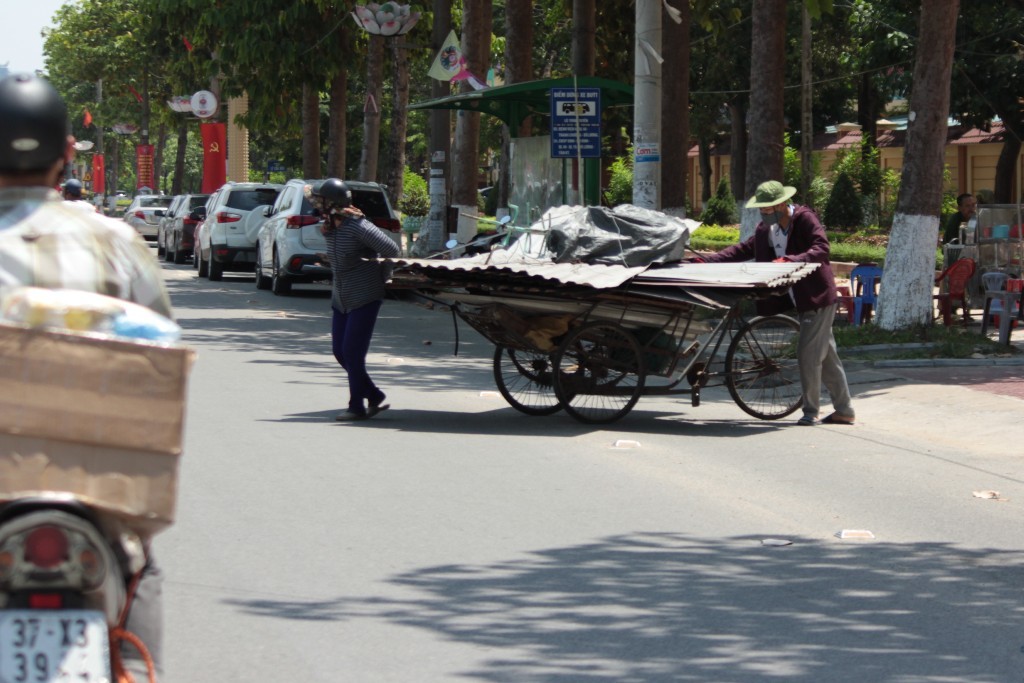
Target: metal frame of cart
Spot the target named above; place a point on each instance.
(591, 340)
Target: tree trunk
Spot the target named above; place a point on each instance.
(337, 130)
(435, 229)
(311, 132)
(806, 109)
(476, 32)
(338, 126)
(158, 157)
(371, 109)
(704, 155)
(178, 184)
(905, 297)
(393, 175)
(767, 122)
(675, 107)
(518, 68)
(584, 30)
(1006, 167)
(738, 150)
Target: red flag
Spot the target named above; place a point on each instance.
(98, 184)
(188, 45)
(87, 119)
(214, 155)
(136, 93)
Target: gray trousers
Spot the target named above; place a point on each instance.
(819, 363)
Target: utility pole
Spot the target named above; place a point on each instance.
(806, 115)
(434, 231)
(647, 106)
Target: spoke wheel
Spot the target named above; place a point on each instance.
(761, 368)
(526, 380)
(599, 373)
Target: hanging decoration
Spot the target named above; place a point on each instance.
(450, 64)
(385, 19)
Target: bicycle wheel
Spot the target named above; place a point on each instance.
(599, 373)
(761, 368)
(525, 379)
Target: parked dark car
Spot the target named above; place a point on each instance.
(180, 229)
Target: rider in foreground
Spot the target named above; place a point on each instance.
(46, 242)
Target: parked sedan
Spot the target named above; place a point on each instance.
(179, 239)
(141, 213)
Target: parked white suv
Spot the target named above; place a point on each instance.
(290, 240)
(222, 240)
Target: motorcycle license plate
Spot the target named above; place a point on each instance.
(53, 645)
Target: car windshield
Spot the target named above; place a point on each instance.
(371, 203)
(155, 202)
(247, 200)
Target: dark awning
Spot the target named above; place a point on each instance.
(513, 103)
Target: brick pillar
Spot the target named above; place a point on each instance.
(238, 141)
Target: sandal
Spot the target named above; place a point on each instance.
(837, 419)
(807, 421)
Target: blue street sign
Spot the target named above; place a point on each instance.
(275, 167)
(575, 123)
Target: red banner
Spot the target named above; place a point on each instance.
(144, 166)
(215, 158)
(99, 186)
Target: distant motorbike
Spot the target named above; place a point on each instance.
(67, 574)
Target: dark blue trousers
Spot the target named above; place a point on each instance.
(350, 341)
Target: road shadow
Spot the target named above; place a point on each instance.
(664, 606)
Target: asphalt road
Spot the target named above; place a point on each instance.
(454, 539)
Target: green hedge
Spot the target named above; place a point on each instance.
(716, 238)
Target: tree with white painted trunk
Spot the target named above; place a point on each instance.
(905, 297)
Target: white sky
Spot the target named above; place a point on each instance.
(21, 46)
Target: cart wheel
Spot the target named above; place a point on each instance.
(526, 380)
(600, 373)
(761, 368)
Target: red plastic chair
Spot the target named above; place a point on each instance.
(956, 275)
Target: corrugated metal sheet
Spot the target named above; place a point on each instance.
(596, 276)
(713, 275)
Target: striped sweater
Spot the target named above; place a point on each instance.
(358, 280)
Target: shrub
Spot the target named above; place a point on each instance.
(843, 209)
(415, 199)
(721, 209)
(620, 184)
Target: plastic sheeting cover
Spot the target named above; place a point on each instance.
(626, 235)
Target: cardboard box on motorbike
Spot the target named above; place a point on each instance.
(97, 418)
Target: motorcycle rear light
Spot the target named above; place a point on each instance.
(91, 564)
(45, 601)
(300, 221)
(46, 547)
(228, 217)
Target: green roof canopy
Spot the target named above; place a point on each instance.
(513, 103)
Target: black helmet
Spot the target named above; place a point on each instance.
(333, 193)
(33, 124)
(73, 187)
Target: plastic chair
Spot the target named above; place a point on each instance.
(864, 282)
(1000, 305)
(844, 303)
(956, 276)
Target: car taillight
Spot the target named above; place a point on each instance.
(189, 221)
(46, 546)
(140, 214)
(294, 222)
(228, 217)
(389, 224)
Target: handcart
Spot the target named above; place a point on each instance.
(592, 339)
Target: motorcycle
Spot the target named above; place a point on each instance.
(67, 577)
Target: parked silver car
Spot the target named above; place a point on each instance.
(289, 241)
(141, 213)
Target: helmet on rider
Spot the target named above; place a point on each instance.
(73, 188)
(33, 124)
(333, 194)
